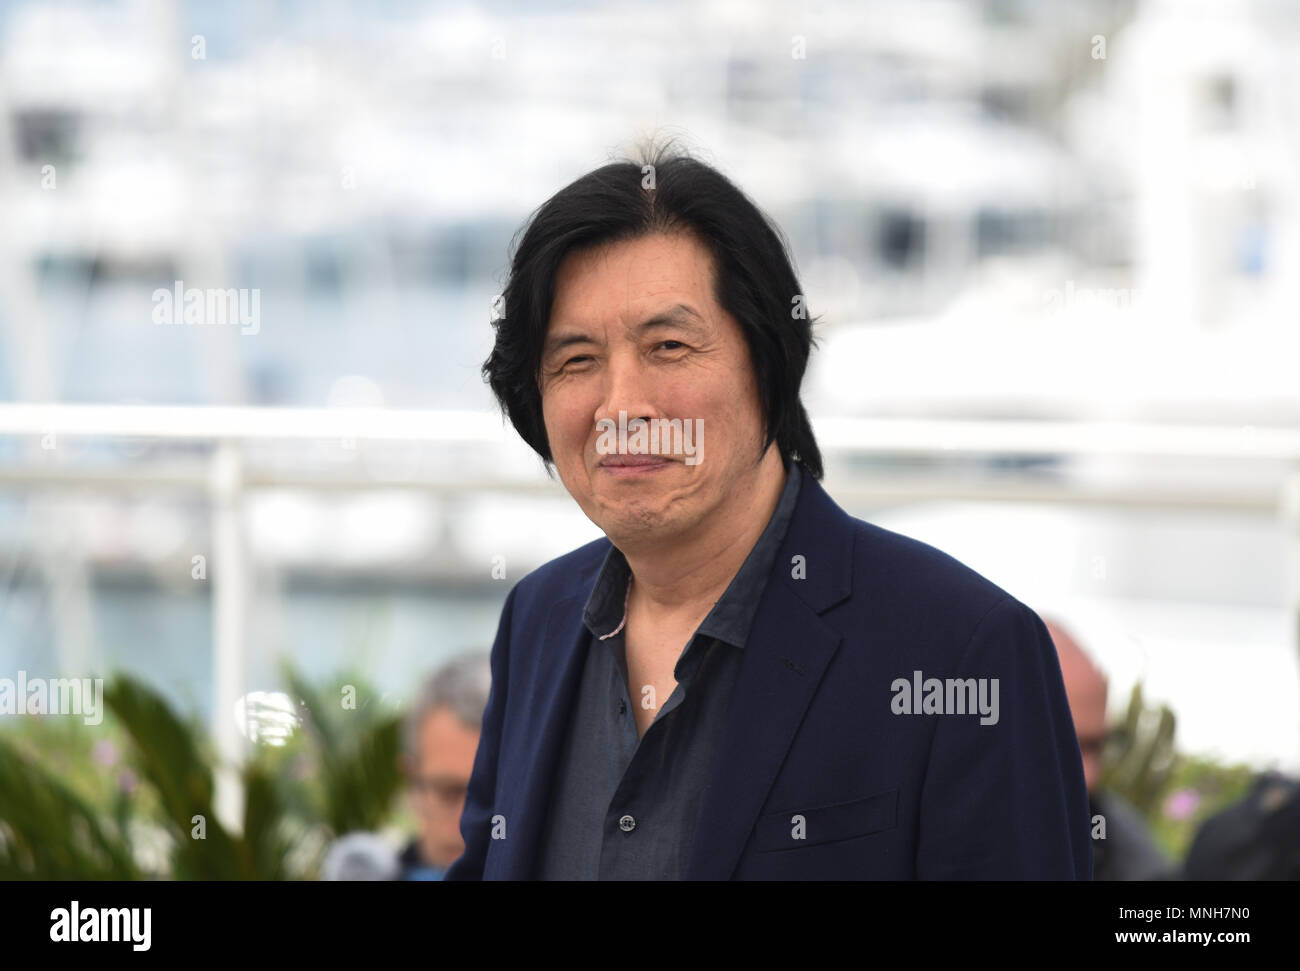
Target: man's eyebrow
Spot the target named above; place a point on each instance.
(680, 315)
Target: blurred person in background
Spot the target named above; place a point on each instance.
(1255, 838)
(360, 856)
(1128, 851)
(441, 737)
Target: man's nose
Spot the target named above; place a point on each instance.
(628, 388)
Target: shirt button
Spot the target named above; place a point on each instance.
(627, 824)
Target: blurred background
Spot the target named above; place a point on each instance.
(1054, 246)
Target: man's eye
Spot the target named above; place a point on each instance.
(676, 344)
(578, 359)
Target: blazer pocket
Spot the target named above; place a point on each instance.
(814, 825)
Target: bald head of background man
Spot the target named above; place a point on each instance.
(1085, 686)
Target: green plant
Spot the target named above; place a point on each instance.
(48, 831)
(71, 811)
(1174, 792)
(356, 753)
(1140, 754)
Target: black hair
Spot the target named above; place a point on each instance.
(670, 192)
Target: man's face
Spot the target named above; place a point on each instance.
(1087, 699)
(1085, 689)
(441, 774)
(635, 328)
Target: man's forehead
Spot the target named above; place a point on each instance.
(636, 270)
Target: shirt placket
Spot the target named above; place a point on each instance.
(627, 809)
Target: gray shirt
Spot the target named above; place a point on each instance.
(624, 808)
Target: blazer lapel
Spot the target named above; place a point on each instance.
(546, 713)
(784, 659)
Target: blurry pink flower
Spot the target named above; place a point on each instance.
(105, 753)
(1181, 804)
(126, 781)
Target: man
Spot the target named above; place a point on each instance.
(441, 737)
(723, 687)
(1128, 851)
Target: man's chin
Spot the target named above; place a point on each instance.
(645, 527)
(447, 854)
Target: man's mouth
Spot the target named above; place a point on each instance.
(624, 465)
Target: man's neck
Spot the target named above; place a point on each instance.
(687, 577)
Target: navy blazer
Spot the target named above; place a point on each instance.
(817, 774)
